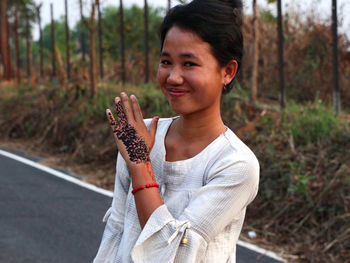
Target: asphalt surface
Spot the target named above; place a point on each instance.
(45, 219)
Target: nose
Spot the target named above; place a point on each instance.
(175, 76)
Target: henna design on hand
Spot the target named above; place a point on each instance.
(135, 146)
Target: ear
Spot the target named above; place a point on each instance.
(230, 71)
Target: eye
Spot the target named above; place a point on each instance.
(189, 64)
(165, 62)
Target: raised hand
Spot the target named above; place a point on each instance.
(134, 140)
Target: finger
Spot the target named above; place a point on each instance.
(120, 112)
(112, 122)
(127, 108)
(153, 127)
(136, 108)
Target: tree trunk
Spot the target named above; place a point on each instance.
(146, 42)
(40, 42)
(53, 56)
(67, 40)
(280, 53)
(122, 40)
(18, 67)
(4, 40)
(29, 45)
(169, 4)
(100, 47)
(336, 93)
(92, 52)
(255, 44)
(82, 34)
(62, 76)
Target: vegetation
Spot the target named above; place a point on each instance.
(303, 201)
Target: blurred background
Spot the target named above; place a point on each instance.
(62, 63)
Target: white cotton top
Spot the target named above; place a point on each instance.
(205, 199)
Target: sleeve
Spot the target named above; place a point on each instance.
(114, 216)
(231, 186)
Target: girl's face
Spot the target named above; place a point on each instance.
(189, 75)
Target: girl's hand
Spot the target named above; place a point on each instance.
(134, 140)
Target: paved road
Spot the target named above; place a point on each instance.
(45, 219)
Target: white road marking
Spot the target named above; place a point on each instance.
(94, 188)
(260, 250)
(57, 173)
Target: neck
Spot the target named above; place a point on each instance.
(203, 126)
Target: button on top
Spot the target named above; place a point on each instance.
(184, 241)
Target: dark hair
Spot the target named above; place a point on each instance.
(217, 22)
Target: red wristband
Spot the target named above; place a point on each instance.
(143, 187)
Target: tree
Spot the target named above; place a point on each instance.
(38, 12)
(4, 40)
(336, 93)
(122, 39)
(91, 26)
(255, 44)
(146, 49)
(169, 4)
(18, 69)
(82, 32)
(53, 52)
(280, 52)
(29, 47)
(100, 47)
(67, 40)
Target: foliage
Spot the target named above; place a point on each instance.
(311, 123)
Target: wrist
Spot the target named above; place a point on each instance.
(142, 174)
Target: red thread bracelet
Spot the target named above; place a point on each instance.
(143, 187)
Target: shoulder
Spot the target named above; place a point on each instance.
(234, 159)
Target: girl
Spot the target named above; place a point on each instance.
(183, 184)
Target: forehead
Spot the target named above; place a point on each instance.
(184, 40)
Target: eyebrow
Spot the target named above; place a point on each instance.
(184, 55)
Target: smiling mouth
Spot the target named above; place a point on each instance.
(177, 93)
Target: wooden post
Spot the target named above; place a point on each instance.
(280, 53)
(53, 56)
(146, 42)
(18, 67)
(100, 47)
(67, 40)
(255, 44)
(336, 92)
(122, 40)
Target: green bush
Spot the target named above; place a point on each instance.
(310, 123)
